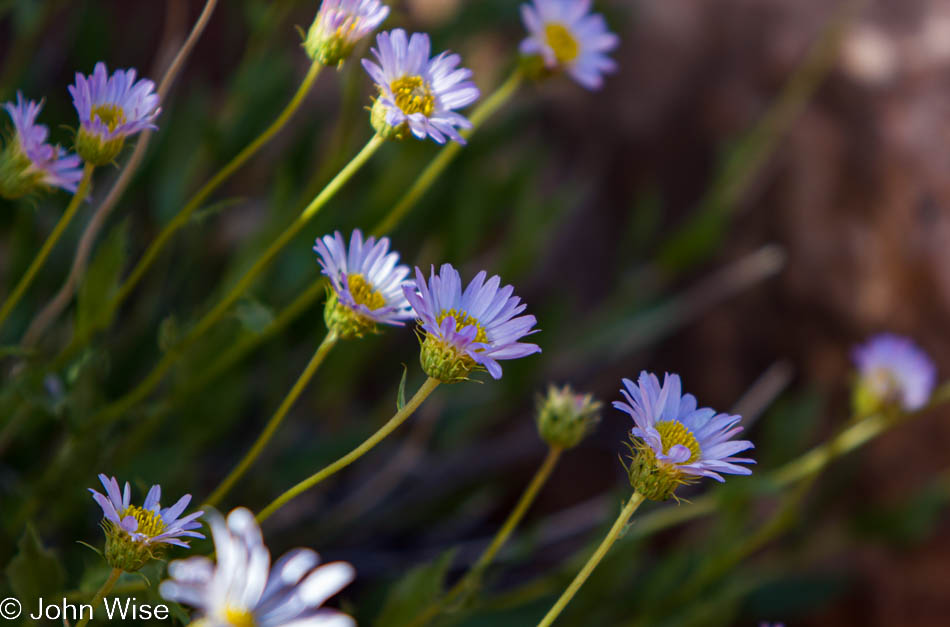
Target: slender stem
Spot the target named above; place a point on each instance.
(407, 410)
(329, 341)
(102, 592)
(471, 579)
(635, 499)
(71, 209)
(183, 216)
(55, 307)
(155, 377)
(432, 171)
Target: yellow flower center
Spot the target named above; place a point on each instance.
(562, 42)
(672, 432)
(363, 293)
(111, 115)
(239, 618)
(413, 95)
(462, 320)
(150, 523)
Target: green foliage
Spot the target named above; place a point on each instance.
(35, 571)
(101, 282)
(414, 591)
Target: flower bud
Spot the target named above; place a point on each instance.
(655, 479)
(339, 26)
(443, 362)
(565, 418)
(346, 323)
(17, 177)
(125, 552)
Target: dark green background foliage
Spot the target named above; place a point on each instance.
(648, 225)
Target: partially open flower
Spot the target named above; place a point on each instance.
(564, 417)
(242, 590)
(675, 443)
(136, 535)
(110, 109)
(339, 26)
(418, 95)
(366, 282)
(464, 330)
(565, 37)
(28, 163)
(892, 372)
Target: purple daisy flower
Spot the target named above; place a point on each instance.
(417, 92)
(568, 37)
(149, 524)
(110, 109)
(479, 326)
(30, 159)
(367, 283)
(340, 25)
(892, 368)
(242, 589)
(688, 440)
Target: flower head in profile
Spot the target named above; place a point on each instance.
(339, 26)
(567, 37)
(366, 282)
(110, 109)
(565, 417)
(674, 442)
(417, 94)
(27, 162)
(134, 534)
(462, 330)
(892, 371)
(243, 590)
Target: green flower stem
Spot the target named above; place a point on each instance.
(183, 216)
(471, 580)
(151, 381)
(81, 192)
(400, 417)
(427, 177)
(329, 341)
(102, 592)
(635, 500)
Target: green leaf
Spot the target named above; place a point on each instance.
(254, 315)
(35, 571)
(412, 594)
(401, 395)
(101, 282)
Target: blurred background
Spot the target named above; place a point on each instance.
(760, 186)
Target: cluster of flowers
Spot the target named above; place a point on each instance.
(462, 329)
(674, 442)
(418, 94)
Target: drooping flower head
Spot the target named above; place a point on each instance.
(892, 371)
(565, 418)
(339, 26)
(566, 37)
(27, 162)
(418, 94)
(464, 330)
(134, 534)
(110, 109)
(366, 282)
(674, 442)
(242, 590)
